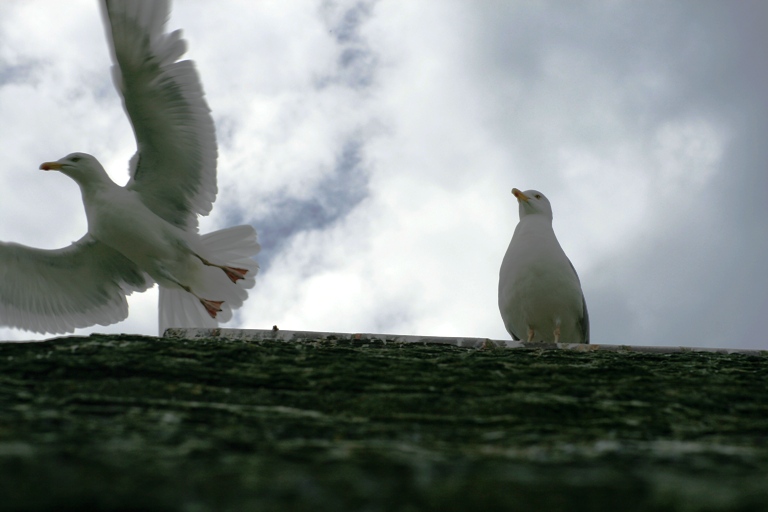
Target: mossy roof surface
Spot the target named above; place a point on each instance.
(129, 422)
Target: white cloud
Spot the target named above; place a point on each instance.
(374, 146)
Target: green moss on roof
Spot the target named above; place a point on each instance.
(127, 422)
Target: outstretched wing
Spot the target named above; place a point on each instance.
(174, 168)
(56, 291)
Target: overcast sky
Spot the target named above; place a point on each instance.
(373, 146)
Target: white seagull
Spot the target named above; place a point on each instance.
(540, 295)
(147, 231)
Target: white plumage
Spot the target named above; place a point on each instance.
(146, 231)
(540, 295)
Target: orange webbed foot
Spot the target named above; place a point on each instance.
(212, 307)
(235, 274)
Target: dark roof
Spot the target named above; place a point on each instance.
(363, 422)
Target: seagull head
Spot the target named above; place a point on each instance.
(81, 167)
(532, 202)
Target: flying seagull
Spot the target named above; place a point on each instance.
(147, 231)
(540, 295)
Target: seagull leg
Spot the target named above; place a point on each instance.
(557, 334)
(212, 307)
(531, 333)
(233, 273)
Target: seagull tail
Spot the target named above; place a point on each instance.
(233, 248)
(181, 309)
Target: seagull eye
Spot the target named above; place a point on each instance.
(537, 196)
(75, 159)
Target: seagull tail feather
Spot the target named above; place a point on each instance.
(232, 247)
(182, 309)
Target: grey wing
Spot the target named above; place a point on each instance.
(584, 320)
(174, 168)
(56, 291)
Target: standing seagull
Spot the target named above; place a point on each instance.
(540, 294)
(147, 231)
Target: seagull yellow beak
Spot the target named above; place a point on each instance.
(519, 195)
(50, 166)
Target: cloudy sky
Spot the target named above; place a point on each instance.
(373, 146)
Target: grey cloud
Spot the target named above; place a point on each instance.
(589, 79)
(699, 277)
(330, 201)
(357, 63)
(18, 73)
(346, 26)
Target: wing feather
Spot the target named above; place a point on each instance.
(584, 320)
(56, 291)
(174, 168)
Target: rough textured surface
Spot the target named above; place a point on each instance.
(486, 343)
(127, 423)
